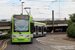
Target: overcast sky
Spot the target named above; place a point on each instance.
(39, 8)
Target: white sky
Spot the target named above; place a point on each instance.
(38, 9)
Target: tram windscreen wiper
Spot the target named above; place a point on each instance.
(19, 32)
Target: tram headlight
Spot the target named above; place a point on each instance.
(14, 36)
(27, 36)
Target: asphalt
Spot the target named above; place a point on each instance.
(25, 46)
(12, 46)
(50, 42)
(57, 42)
(36, 45)
(1, 42)
(4, 33)
(56, 33)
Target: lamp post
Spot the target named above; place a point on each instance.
(22, 6)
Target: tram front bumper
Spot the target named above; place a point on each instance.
(21, 39)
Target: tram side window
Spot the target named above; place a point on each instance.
(40, 29)
(36, 28)
(44, 29)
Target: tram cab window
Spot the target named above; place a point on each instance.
(21, 23)
(40, 29)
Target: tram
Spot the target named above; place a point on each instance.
(39, 29)
(21, 28)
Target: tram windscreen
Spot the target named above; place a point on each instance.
(21, 23)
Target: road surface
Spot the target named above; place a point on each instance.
(50, 42)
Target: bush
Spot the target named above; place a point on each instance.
(71, 26)
(5, 36)
(71, 30)
(9, 31)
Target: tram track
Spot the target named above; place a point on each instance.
(24, 47)
(21, 47)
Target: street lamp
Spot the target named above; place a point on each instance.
(22, 6)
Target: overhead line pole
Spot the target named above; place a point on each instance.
(53, 19)
(59, 9)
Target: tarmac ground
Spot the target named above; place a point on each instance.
(49, 42)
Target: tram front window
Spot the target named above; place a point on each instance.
(21, 25)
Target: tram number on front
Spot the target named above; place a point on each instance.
(20, 35)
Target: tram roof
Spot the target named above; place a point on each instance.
(40, 23)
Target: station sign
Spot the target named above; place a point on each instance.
(62, 24)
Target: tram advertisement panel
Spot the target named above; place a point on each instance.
(21, 23)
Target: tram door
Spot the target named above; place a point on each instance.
(34, 29)
(34, 34)
(37, 29)
(42, 30)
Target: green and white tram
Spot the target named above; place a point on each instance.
(39, 29)
(21, 28)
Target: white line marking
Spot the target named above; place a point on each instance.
(55, 47)
(42, 42)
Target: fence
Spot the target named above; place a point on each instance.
(4, 25)
(49, 19)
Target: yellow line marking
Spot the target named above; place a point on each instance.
(4, 45)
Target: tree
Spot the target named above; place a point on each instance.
(72, 19)
(71, 26)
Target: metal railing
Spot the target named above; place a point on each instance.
(49, 19)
